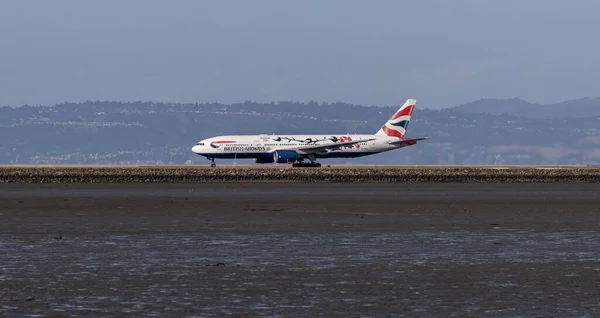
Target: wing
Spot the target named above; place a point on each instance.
(331, 146)
(407, 141)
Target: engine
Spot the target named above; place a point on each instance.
(283, 156)
(265, 159)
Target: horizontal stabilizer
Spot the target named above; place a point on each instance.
(407, 141)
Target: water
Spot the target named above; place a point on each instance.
(454, 273)
(193, 250)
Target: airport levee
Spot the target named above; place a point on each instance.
(286, 173)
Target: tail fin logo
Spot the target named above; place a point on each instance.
(396, 126)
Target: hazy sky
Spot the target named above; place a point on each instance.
(367, 52)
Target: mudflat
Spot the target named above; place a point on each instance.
(412, 249)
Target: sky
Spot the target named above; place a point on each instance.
(443, 53)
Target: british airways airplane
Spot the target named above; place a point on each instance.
(295, 149)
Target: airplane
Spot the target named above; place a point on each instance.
(294, 149)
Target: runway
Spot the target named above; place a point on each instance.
(185, 249)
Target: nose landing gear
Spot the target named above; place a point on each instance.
(212, 162)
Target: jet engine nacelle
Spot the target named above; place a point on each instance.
(283, 156)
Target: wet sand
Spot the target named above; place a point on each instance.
(425, 249)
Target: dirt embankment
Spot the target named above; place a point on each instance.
(170, 174)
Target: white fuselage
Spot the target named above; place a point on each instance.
(292, 148)
(257, 146)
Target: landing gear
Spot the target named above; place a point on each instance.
(313, 163)
(212, 162)
(306, 165)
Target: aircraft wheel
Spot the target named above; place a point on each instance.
(306, 165)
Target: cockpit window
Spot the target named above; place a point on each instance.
(200, 144)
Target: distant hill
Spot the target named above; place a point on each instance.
(584, 107)
(108, 132)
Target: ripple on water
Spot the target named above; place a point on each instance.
(105, 274)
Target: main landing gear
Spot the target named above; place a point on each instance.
(306, 165)
(312, 164)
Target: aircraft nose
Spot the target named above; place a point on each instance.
(196, 149)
